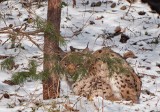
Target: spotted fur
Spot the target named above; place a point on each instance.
(99, 81)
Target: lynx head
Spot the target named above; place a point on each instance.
(76, 65)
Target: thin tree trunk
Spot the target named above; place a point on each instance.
(74, 3)
(51, 86)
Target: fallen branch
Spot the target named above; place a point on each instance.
(144, 40)
(30, 39)
(19, 32)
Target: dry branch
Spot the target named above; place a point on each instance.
(30, 38)
(19, 32)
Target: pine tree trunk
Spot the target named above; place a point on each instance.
(51, 86)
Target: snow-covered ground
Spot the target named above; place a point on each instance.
(96, 23)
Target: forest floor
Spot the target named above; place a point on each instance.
(80, 25)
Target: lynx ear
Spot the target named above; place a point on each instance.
(86, 50)
(72, 49)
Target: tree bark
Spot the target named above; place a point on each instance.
(74, 3)
(51, 86)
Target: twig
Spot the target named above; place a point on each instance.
(77, 32)
(5, 41)
(32, 40)
(19, 32)
(144, 40)
(129, 9)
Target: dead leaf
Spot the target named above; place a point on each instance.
(91, 22)
(148, 92)
(9, 82)
(113, 5)
(99, 18)
(118, 29)
(3, 57)
(5, 95)
(123, 7)
(124, 38)
(148, 68)
(141, 13)
(129, 54)
(69, 108)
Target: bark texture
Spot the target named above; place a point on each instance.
(51, 86)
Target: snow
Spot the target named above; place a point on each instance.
(140, 28)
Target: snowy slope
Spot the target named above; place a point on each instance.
(141, 29)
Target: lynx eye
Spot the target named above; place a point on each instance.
(65, 64)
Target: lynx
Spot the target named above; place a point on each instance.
(106, 74)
